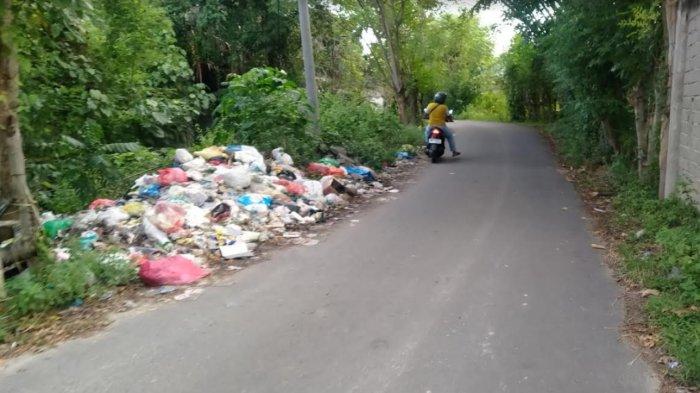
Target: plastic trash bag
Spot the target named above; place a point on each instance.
(211, 152)
(182, 156)
(198, 164)
(134, 209)
(333, 199)
(220, 212)
(281, 157)
(168, 176)
(329, 161)
(251, 199)
(314, 189)
(168, 217)
(150, 191)
(171, 270)
(292, 188)
(237, 177)
(145, 180)
(361, 172)
(195, 217)
(252, 157)
(53, 227)
(88, 239)
(152, 232)
(325, 170)
(101, 204)
(193, 193)
(112, 216)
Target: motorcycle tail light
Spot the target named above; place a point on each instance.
(436, 133)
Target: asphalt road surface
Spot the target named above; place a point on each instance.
(478, 278)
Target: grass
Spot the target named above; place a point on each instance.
(50, 284)
(664, 254)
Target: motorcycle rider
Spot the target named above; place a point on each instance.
(436, 113)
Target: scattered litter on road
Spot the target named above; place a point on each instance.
(598, 246)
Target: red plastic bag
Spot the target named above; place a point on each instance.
(337, 172)
(101, 203)
(325, 170)
(293, 188)
(173, 270)
(168, 176)
(319, 169)
(168, 217)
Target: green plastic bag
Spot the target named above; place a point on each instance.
(53, 227)
(329, 161)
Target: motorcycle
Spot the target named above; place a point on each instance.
(435, 148)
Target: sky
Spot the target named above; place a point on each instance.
(503, 30)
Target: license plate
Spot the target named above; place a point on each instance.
(435, 141)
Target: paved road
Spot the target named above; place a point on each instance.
(474, 280)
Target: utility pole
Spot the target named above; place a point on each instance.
(307, 50)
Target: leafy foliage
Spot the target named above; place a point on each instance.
(490, 105)
(451, 54)
(265, 109)
(367, 132)
(98, 77)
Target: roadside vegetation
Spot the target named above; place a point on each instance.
(588, 72)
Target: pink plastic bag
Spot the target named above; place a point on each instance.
(293, 188)
(168, 176)
(168, 217)
(101, 203)
(174, 270)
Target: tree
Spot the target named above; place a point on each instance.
(13, 181)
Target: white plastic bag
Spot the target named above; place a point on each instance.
(153, 233)
(197, 164)
(112, 216)
(281, 157)
(237, 177)
(314, 189)
(182, 156)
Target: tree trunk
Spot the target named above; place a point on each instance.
(609, 135)
(391, 52)
(13, 183)
(638, 100)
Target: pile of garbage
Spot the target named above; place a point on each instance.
(215, 205)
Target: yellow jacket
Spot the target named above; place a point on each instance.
(438, 115)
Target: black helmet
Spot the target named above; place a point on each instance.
(440, 97)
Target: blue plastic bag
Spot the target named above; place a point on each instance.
(150, 191)
(362, 172)
(404, 155)
(251, 199)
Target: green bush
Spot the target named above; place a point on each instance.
(666, 257)
(489, 106)
(107, 171)
(264, 109)
(370, 134)
(51, 284)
